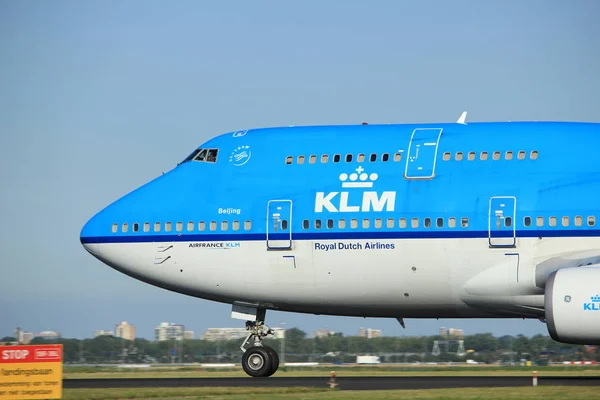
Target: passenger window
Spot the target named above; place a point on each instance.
(451, 222)
(385, 157)
(496, 155)
(115, 228)
(157, 227)
(527, 221)
(312, 159)
(534, 155)
(353, 223)
(458, 156)
(414, 223)
(179, 226)
(329, 224)
(324, 158)
(284, 224)
(483, 156)
(212, 226)
(317, 224)
(397, 157)
(591, 220)
(305, 224)
(146, 226)
(190, 226)
(508, 155)
(300, 159)
(378, 223)
(464, 222)
(521, 155)
(402, 222)
(336, 158)
(136, 227)
(348, 157)
(427, 222)
(201, 226)
(289, 159)
(446, 156)
(366, 223)
(439, 222)
(578, 220)
(247, 225)
(539, 221)
(167, 227)
(471, 156)
(565, 221)
(342, 224)
(390, 222)
(224, 225)
(361, 158)
(507, 222)
(373, 157)
(235, 225)
(552, 221)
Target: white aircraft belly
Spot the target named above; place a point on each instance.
(417, 276)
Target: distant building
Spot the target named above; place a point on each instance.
(22, 336)
(168, 331)
(321, 333)
(102, 332)
(369, 333)
(188, 335)
(214, 334)
(125, 331)
(455, 332)
(26, 337)
(49, 335)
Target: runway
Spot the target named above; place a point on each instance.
(344, 383)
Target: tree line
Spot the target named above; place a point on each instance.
(297, 347)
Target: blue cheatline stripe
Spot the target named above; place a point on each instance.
(406, 234)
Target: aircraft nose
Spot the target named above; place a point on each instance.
(89, 238)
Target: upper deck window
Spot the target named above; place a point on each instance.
(203, 155)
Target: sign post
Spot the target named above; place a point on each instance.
(31, 372)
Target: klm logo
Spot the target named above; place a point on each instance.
(343, 202)
(594, 305)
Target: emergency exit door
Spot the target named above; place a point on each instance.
(422, 153)
(279, 224)
(502, 230)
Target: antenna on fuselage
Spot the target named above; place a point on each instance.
(462, 119)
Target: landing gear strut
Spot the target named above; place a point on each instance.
(258, 361)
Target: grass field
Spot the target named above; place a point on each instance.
(546, 393)
(196, 372)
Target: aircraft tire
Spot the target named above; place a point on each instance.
(257, 362)
(274, 360)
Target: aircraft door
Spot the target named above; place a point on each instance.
(279, 225)
(422, 153)
(501, 221)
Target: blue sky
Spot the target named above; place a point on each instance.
(98, 97)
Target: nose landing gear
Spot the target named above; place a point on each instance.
(259, 361)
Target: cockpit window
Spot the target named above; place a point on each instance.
(203, 155)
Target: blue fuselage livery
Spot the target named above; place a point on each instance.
(472, 220)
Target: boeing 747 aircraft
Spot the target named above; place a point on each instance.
(449, 220)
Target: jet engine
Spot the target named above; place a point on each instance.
(572, 305)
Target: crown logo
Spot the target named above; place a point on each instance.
(358, 179)
(596, 299)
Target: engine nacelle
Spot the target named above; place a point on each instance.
(572, 303)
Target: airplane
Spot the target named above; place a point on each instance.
(436, 220)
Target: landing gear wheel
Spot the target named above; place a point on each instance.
(274, 360)
(257, 362)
